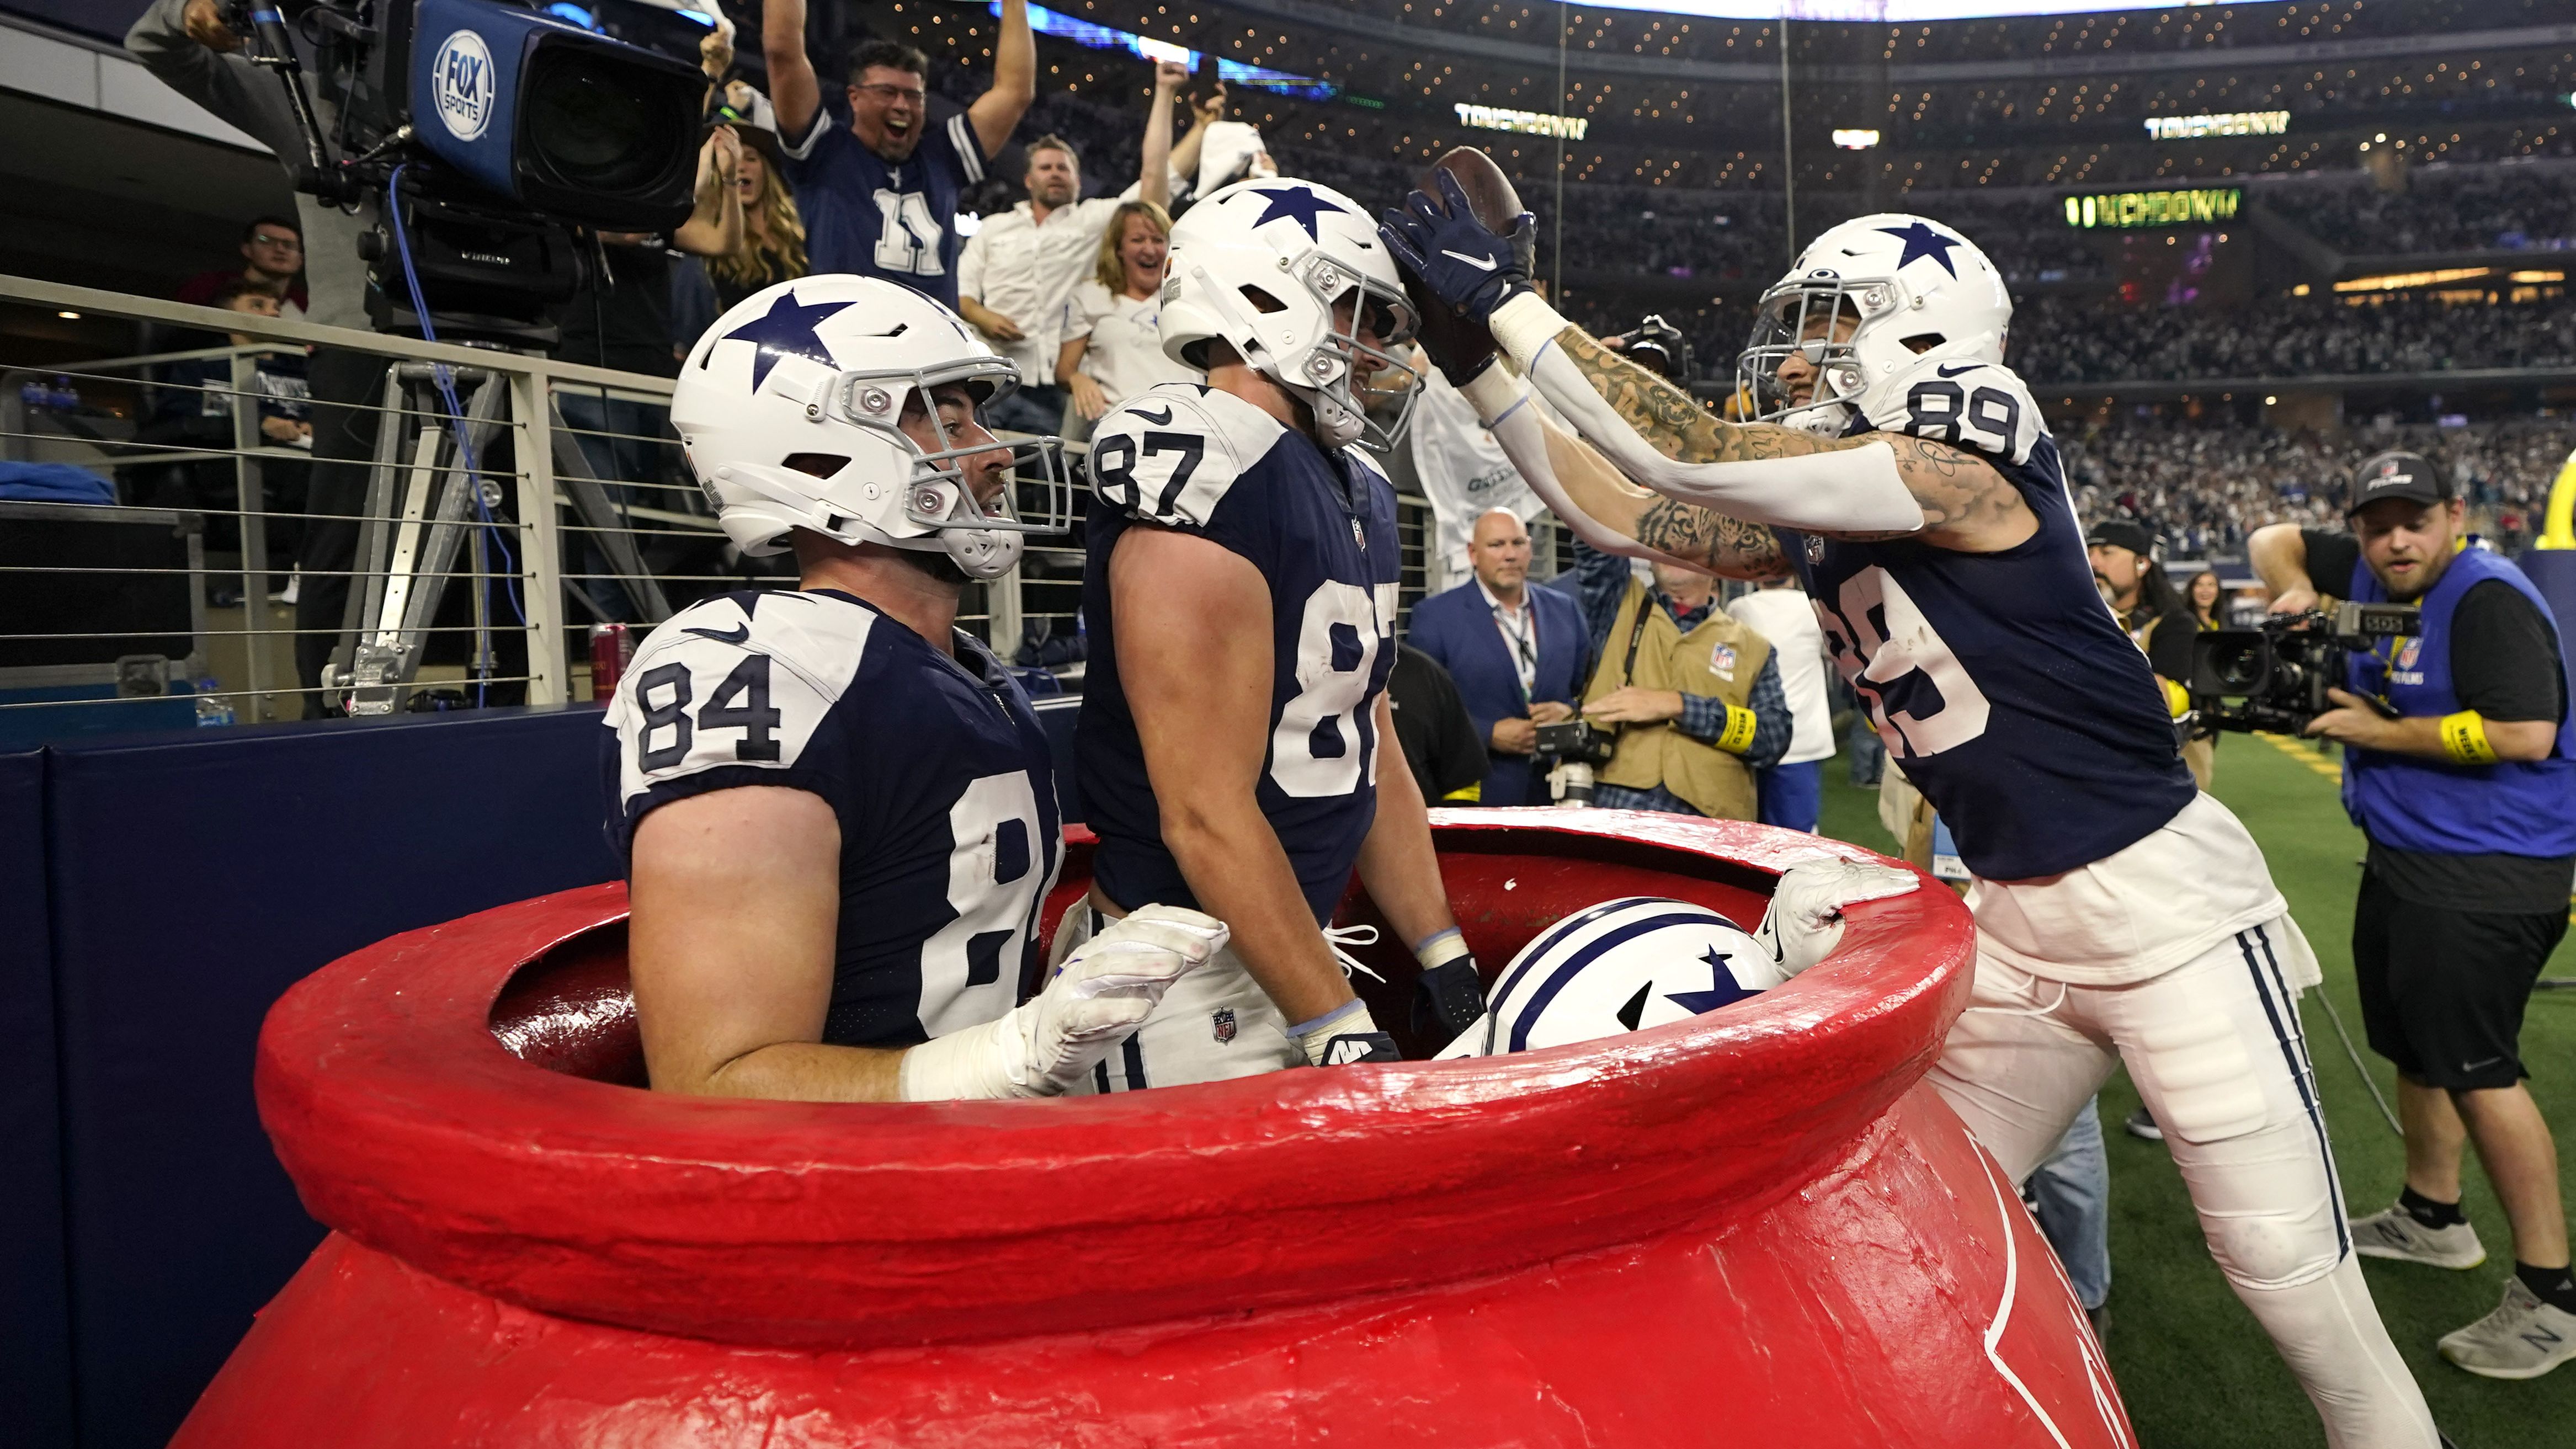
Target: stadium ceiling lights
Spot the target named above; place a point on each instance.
(1898, 11)
(1855, 140)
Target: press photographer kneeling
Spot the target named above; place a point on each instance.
(1689, 700)
(2466, 788)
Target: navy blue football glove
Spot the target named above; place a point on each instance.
(1448, 999)
(1453, 254)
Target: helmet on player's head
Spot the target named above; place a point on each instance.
(791, 407)
(1620, 966)
(1259, 267)
(1866, 301)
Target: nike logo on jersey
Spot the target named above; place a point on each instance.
(1953, 369)
(739, 634)
(1164, 421)
(1482, 264)
(2479, 1066)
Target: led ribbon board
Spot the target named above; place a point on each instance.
(1526, 123)
(2231, 123)
(2121, 210)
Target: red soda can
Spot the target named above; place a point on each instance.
(611, 646)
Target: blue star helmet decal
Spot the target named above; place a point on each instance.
(1922, 241)
(1297, 203)
(1722, 987)
(786, 331)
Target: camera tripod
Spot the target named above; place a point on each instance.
(424, 506)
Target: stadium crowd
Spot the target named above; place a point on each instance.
(2203, 487)
(2496, 208)
(2060, 342)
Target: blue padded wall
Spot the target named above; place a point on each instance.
(194, 877)
(35, 1352)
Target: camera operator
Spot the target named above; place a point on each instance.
(2132, 580)
(188, 46)
(1694, 695)
(2466, 789)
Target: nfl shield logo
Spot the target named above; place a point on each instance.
(2409, 652)
(1222, 1022)
(1721, 661)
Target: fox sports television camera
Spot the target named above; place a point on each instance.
(486, 130)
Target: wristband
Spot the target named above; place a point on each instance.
(1523, 325)
(1339, 1013)
(2464, 738)
(1738, 735)
(1440, 948)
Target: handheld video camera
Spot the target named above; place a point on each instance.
(1659, 346)
(2275, 677)
(1570, 751)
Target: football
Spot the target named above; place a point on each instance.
(1489, 192)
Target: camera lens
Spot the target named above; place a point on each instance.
(2239, 666)
(595, 134)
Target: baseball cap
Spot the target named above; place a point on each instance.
(2122, 533)
(2397, 474)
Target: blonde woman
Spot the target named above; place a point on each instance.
(1113, 347)
(773, 236)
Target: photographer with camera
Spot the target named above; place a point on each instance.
(2465, 784)
(1515, 650)
(1692, 696)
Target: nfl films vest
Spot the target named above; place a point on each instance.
(1717, 657)
(2508, 808)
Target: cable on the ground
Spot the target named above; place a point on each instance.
(2355, 1053)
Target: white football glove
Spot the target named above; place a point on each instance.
(1806, 916)
(1046, 1045)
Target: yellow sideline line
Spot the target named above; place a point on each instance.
(2303, 752)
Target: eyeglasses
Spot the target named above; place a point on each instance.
(288, 242)
(889, 93)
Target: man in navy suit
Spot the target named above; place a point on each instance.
(1518, 652)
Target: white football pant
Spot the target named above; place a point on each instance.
(1213, 1024)
(2216, 1050)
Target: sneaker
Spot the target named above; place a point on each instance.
(2142, 1123)
(2523, 1339)
(2393, 1233)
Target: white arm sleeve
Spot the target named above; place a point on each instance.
(1855, 490)
(1502, 402)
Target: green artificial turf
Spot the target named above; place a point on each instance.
(2194, 1369)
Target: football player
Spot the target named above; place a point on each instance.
(1904, 474)
(1241, 595)
(837, 808)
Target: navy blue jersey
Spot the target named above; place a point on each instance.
(936, 768)
(1321, 528)
(868, 216)
(2001, 683)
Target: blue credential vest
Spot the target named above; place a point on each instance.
(2000, 682)
(2512, 807)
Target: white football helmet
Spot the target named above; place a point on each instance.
(1259, 265)
(789, 409)
(1620, 966)
(1898, 280)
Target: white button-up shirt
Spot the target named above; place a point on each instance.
(1519, 628)
(1025, 269)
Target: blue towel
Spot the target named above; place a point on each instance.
(53, 483)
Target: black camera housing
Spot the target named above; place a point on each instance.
(2274, 677)
(1576, 742)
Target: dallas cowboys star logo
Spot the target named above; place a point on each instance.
(1922, 241)
(786, 331)
(1722, 986)
(1297, 203)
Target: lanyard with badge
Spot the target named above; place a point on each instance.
(1524, 648)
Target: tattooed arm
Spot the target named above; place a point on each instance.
(1606, 510)
(1659, 435)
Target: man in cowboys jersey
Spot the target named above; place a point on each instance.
(1904, 475)
(1241, 597)
(837, 808)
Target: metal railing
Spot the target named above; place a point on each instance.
(384, 524)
